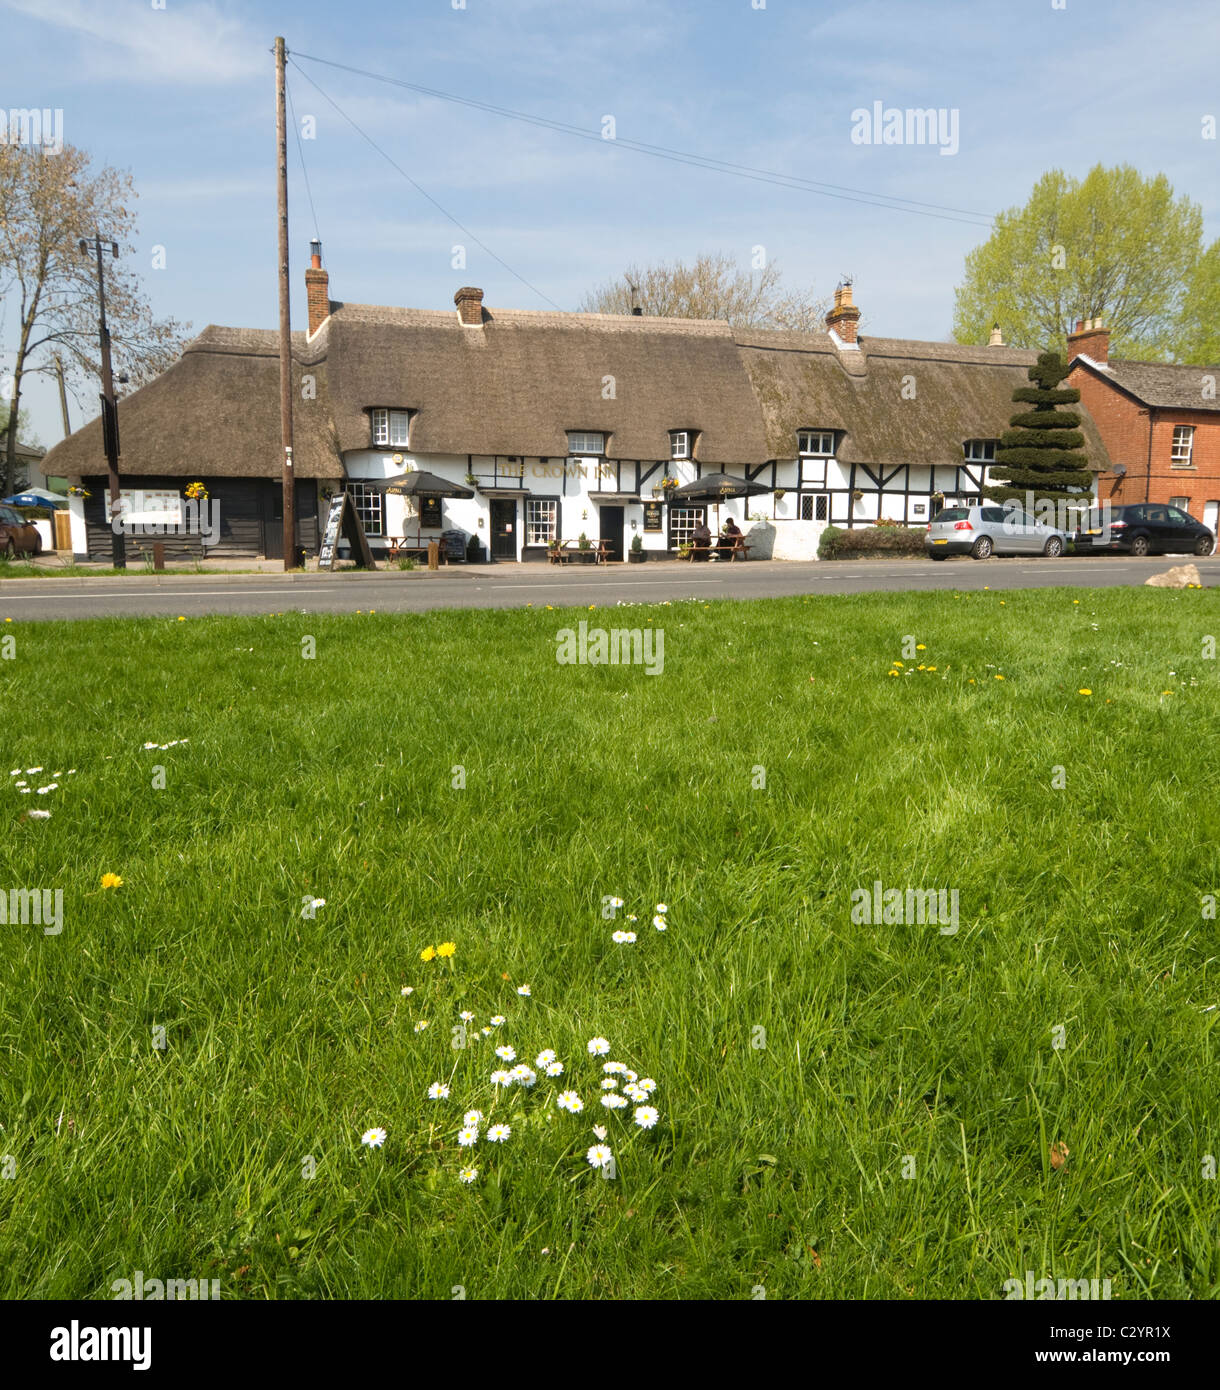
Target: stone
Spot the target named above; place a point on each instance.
(1179, 577)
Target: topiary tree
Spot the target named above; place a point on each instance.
(1040, 453)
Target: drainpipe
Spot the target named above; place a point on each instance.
(1148, 474)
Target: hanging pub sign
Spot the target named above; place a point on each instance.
(430, 512)
(342, 520)
(652, 516)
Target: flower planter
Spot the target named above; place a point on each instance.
(636, 557)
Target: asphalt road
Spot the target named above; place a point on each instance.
(514, 586)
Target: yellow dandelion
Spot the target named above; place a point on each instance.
(427, 953)
(111, 881)
(181, 619)
(920, 647)
(921, 667)
(971, 682)
(931, 668)
(446, 948)
(998, 676)
(899, 663)
(1084, 692)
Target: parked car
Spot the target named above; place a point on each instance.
(17, 535)
(1146, 528)
(991, 530)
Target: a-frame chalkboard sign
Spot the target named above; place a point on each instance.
(342, 520)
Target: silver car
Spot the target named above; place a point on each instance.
(991, 530)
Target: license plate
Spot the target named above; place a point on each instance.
(1092, 533)
(941, 542)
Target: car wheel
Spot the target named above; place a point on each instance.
(1053, 547)
(1204, 545)
(936, 555)
(1140, 546)
(982, 548)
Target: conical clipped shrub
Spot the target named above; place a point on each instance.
(1039, 455)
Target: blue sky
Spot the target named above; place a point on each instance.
(182, 97)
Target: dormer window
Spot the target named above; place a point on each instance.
(390, 427)
(679, 444)
(979, 450)
(818, 443)
(585, 442)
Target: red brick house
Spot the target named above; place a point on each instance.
(1160, 424)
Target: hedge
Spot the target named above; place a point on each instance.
(838, 544)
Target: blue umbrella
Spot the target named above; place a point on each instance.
(35, 497)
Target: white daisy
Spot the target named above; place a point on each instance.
(151, 745)
(466, 1137)
(468, 1174)
(472, 1117)
(486, 1031)
(438, 1091)
(609, 1084)
(421, 1025)
(524, 990)
(623, 937)
(466, 1016)
(24, 791)
(662, 908)
(659, 923)
(599, 1156)
(545, 1057)
(71, 771)
(598, 1047)
(569, 1100)
(497, 1134)
(50, 787)
(374, 1138)
(407, 989)
(14, 772)
(646, 1116)
(501, 1078)
(634, 1092)
(497, 1019)
(631, 917)
(613, 1101)
(648, 1085)
(506, 1053)
(613, 1068)
(39, 815)
(552, 1068)
(523, 1075)
(29, 772)
(616, 902)
(630, 1076)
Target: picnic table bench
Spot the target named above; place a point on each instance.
(740, 548)
(561, 556)
(398, 546)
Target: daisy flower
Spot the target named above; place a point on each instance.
(630, 1076)
(523, 1075)
(598, 1047)
(622, 937)
(497, 1134)
(486, 1031)
(497, 1019)
(613, 1101)
(466, 1137)
(552, 1068)
(545, 1057)
(421, 1025)
(501, 1078)
(29, 772)
(374, 1138)
(25, 791)
(466, 1016)
(648, 1085)
(662, 908)
(39, 815)
(614, 1068)
(609, 1084)
(646, 1116)
(50, 787)
(599, 1156)
(472, 1117)
(659, 922)
(616, 902)
(407, 989)
(468, 1174)
(438, 1091)
(631, 917)
(569, 1100)
(506, 1053)
(524, 991)
(634, 1092)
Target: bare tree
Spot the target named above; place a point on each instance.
(713, 287)
(48, 202)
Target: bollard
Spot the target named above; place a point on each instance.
(158, 555)
(434, 555)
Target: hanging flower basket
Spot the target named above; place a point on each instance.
(197, 492)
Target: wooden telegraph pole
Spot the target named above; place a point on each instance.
(281, 146)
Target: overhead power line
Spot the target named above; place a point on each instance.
(826, 190)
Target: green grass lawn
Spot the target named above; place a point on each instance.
(845, 1110)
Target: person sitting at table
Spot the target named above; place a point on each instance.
(701, 540)
(731, 536)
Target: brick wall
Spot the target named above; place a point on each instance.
(1124, 426)
(317, 293)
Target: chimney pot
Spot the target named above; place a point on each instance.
(1092, 338)
(844, 318)
(317, 288)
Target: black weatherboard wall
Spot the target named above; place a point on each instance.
(243, 509)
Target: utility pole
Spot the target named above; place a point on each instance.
(63, 394)
(110, 413)
(281, 146)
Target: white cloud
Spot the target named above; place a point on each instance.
(187, 44)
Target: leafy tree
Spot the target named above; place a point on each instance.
(713, 287)
(1039, 453)
(1114, 246)
(48, 202)
(1200, 326)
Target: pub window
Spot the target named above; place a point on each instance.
(1183, 445)
(369, 506)
(682, 521)
(818, 442)
(541, 521)
(586, 442)
(979, 450)
(679, 444)
(390, 427)
(815, 506)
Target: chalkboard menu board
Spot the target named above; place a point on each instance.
(652, 516)
(330, 537)
(430, 512)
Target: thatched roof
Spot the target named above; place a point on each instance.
(1161, 384)
(896, 400)
(516, 383)
(215, 413)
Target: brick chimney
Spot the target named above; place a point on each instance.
(844, 317)
(469, 303)
(1091, 339)
(317, 288)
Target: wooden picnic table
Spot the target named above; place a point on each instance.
(740, 548)
(414, 545)
(600, 548)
